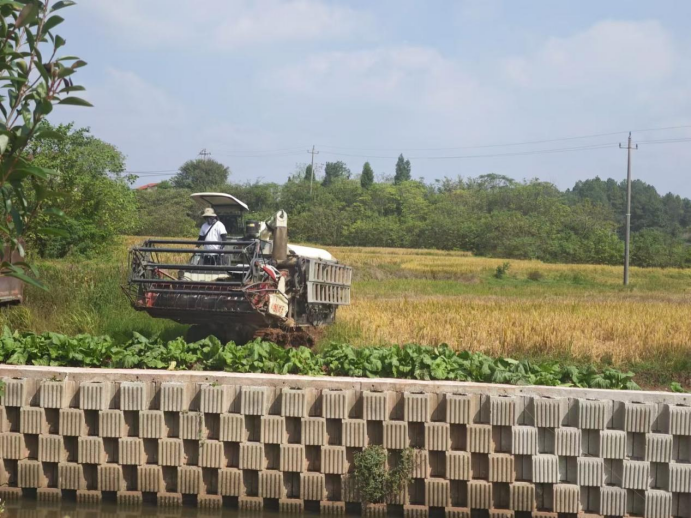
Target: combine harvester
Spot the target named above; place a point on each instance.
(258, 285)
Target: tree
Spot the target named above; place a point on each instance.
(403, 170)
(88, 187)
(34, 79)
(166, 213)
(201, 175)
(334, 171)
(309, 173)
(367, 176)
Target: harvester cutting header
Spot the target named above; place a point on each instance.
(251, 284)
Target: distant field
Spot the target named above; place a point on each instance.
(575, 312)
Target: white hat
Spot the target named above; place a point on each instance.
(209, 213)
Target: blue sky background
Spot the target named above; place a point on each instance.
(367, 80)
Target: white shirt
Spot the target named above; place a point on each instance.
(217, 230)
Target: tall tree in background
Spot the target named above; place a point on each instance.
(201, 175)
(34, 79)
(334, 171)
(403, 170)
(367, 176)
(308, 173)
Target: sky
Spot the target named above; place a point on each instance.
(460, 87)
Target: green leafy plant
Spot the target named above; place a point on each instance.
(502, 270)
(374, 480)
(675, 386)
(34, 79)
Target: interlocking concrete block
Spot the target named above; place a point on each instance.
(250, 504)
(591, 471)
(94, 395)
(15, 394)
(172, 500)
(354, 433)
(30, 474)
(251, 456)
(295, 402)
(680, 478)
(374, 511)
(568, 442)
(292, 458)
(173, 396)
(291, 506)
(421, 468)
(333, 460)
(437, 492)
(313, 431)
(417, 408)
(457, 512)
(211, 454)
(190, 480)
(459, 408)
(458, 465)
(395, 435)
(328, 508)
(151, 424)
(679, 419)
(658, 504)
(233, 428)
(377, 406)
(254, 400)
(51, 448)
(192, 426)
(437, 436)
(550, 412)
(337, 404)
(88, 497)
(479, 494)
(479, 438)
(522, 496)
(312, 486)
(55, 394)
(612, 501)
(273, 429)
(271, 484)
(51, 495)
(72, 422)
(110, 478)
(14, 446)
(170, 452)
(130, 451)
(230, 482)
(129, 498)
(524, 440)
(214, 399)
(501, 467)
(71, 476)
(636, 474)
(349, 489)
(612, 444)
(545, 469)
(134, 396)
(638, 417)
(567, 498)
(90, 450)
(111, 423)
(594, 414)
(502, 410)
(32, 420)
(149, 478)
(658, 447)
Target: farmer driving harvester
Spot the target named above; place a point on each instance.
(212, 230)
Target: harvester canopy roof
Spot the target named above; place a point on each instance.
(219, 201)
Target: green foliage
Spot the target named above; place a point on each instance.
(403, 170)
(34, 80)
(675, 386)
(535, 275)
(376, 483)
(201, 175)
(502, 270)
(336, 359)
(94, 206)
(168, 212)
(334, 171)
(367, 176)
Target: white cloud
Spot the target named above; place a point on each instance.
(222, 25)
(608, 55)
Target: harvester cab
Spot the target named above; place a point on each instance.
(258, 285)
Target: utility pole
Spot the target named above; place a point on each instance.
(627, 240)
(313, 152)
(204, 154)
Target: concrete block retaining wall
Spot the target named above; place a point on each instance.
(288, 442)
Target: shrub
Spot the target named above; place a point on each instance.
(535, 275)
(374, 481)
(502, 270)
